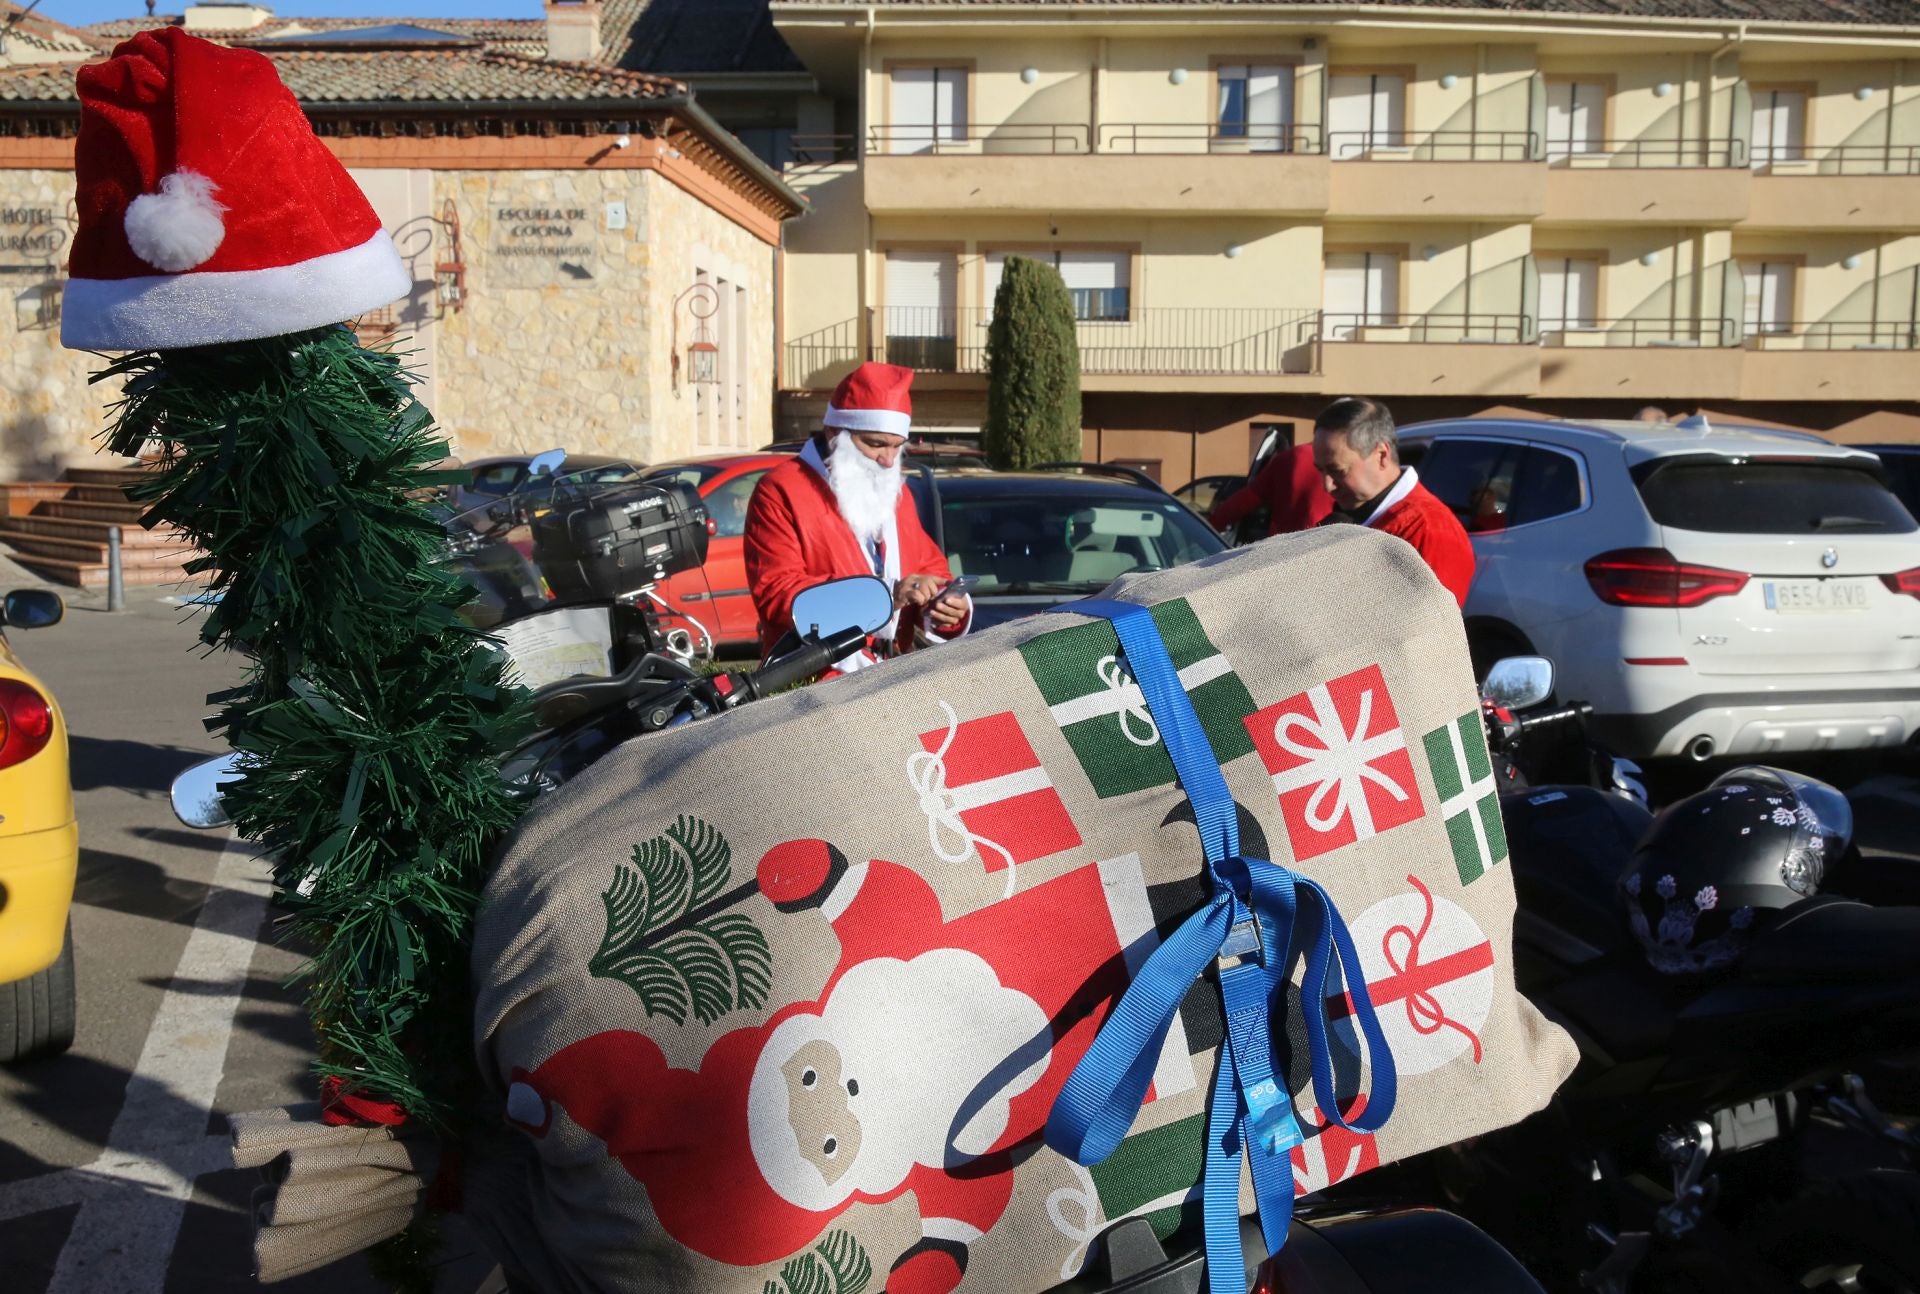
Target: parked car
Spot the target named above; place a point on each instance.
(933, 452)
(717, 594)
(1903, 471)
(1202, 492)
(39, 848)
(1037, 539)
(1712, 591)
(495, 478)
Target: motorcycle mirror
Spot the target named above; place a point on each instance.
(1518, 682)
(196, 792)
(840, 604)
(32, 609)
(546, 464)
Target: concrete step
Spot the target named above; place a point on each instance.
(131, 536)
(87, 551)
(17, 498)
(118, 514)
(84, 493)
(106, 475)
(91, 575)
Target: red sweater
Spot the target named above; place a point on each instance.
(1289, 485)
(795, 538)
(1430, 526)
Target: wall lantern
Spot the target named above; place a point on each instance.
(1429, 252)
(1662, 90)
(37, 307)
(1864, 93)
(1178, 76)
(450, 274)
(1448, 81)
(703, 357)
(1028, 75)
(1650, 258)
(1850, 263)
(1233, 251)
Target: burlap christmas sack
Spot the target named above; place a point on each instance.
(782, 1001)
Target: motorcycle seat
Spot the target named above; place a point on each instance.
(1833, 939)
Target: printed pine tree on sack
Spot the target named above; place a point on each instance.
(1102, 714)
(666, 937)
(837, 1265)
(1469, 795)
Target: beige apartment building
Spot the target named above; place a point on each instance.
(1453, 205)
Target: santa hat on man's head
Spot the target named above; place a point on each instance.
(874, 397)
(209, 211)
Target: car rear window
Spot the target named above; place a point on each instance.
(1761, 497)
(1071, 543)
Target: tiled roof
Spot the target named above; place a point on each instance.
(510, 35)
(454, 76)
(1901, 13)
(683, 37)
(42, 32)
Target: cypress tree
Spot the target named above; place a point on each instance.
(1033, 369)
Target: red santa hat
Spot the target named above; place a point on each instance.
(874, 397)
(209, 211)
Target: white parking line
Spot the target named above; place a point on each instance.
(133, 1196)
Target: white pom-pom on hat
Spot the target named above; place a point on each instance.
(178, 227)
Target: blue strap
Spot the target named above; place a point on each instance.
(1251, 913)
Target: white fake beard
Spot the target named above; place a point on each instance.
(865, 492)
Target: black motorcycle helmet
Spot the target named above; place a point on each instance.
(1757, 839)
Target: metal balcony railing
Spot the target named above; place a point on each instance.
(1841, 159)
(1436, 145)
(1017, 137)
(1440, 327)
(1194, 341)
(1640, 154)
(1638, 332)
(823, 150)
(1143, 138)
(1829, 334)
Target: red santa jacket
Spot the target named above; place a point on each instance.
(796, 538)
(1289, 485)
(1430, 526)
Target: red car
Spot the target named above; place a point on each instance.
(716, 594)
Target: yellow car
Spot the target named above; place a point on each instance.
(39, 848)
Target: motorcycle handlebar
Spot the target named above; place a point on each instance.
(814, 657)
(1547, 718)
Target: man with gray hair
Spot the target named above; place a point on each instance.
(1357, 452)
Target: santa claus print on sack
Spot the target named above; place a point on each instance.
(1102, 714)
(1469, 796)
(1153, 1174)
(666, 938)
(1339, 762)
(1429, 970)
(985, 795)
(934, 1050)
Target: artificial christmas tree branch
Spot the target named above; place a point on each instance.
(372, 720)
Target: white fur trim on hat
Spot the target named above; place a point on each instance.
(890, 421)
(178, 227)
(166, 311)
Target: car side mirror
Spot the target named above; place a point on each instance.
(841, 604)
(1518, 682)
(32, 609)
(546, 464)
(196, 792)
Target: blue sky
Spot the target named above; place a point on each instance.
(78, 13)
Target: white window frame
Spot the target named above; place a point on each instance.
(1278, 136)
(1377, 309)
(996, 260)
(1589, 97)
(1756, 273)
(1776, 108)
(1381, 100)
(1563, 320)
(946, 127)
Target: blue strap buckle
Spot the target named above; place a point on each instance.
(1270, 1122)
(1244, 939)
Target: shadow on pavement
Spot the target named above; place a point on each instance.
(141, 767)
(123, 883)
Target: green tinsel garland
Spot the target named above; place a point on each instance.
(373, 718)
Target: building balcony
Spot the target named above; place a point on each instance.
(1650, 181)
(1429, 354)
(1827, 360)
(1648, 359)
(1035, 167)
(1852, 186)
(1436, 175)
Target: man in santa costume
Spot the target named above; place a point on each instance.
(1288, 487)
(1356, 450)
(838, 510)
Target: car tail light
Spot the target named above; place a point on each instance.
(26, 722)
(1907, 581)
(1654, 577)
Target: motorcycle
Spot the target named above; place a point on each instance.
(1712, 1134)
(561, 590)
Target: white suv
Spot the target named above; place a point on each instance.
(1711, 591)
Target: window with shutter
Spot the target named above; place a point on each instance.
(1769, 296)
(1569, 287)
(1361, 289)
(1256, 104)
(927, 109)
(1100, 283)
(1365, 111)
(1779, 126)
(1576, 117)
(920, 310)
